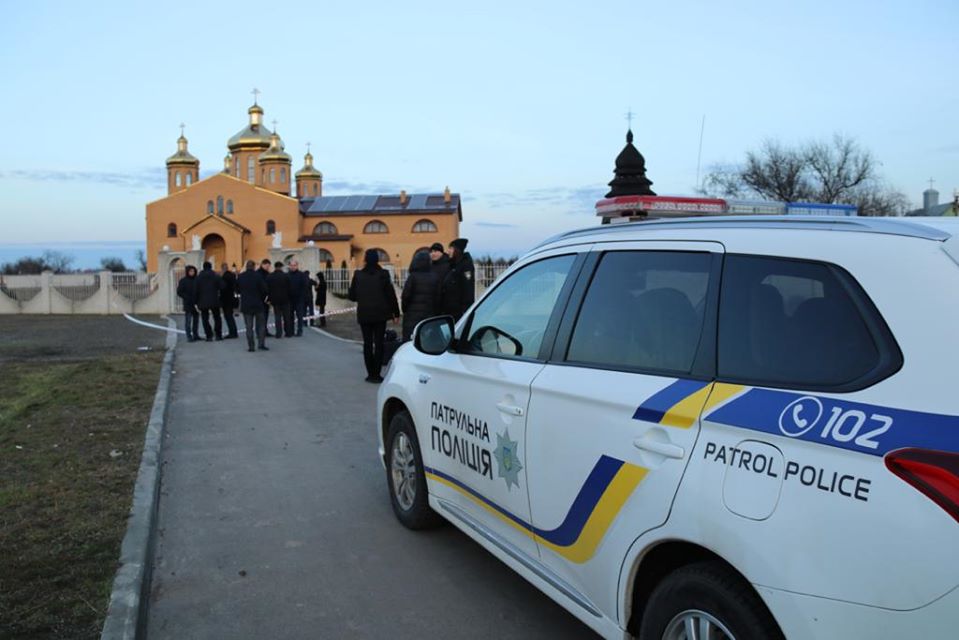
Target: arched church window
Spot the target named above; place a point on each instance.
(384, 256)
(314, 189)
(324, 229)
(270, 227)
(229, 206)
(177, 179)
(189, 179)
(283, 175)
(171, 230)
(326, 258)
(424, 226)
(236, 167)
(375, 226)
(219, 205)
(251, 169)
(272, 175)
(209, 207)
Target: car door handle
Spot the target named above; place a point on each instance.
(510, 409)
(662, 448)
(424, 378)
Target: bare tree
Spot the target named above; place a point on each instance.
(838, 168)
(56, 261)
(141, 259)
(777, 172)
(839, 171)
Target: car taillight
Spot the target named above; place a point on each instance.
(935, 473)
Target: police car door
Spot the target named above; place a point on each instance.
(477, 398)
(615, 413)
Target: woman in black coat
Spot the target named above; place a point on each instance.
(420, 293)
(372, 291)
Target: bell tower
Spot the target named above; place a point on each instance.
(309, 179)
(182, 168)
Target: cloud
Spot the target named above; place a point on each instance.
(496, 225)
(570, 200)
(948, 148)
(153, 178)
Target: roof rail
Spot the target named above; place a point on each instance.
(887, 226)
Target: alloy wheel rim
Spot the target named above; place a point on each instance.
(403, 471)
(694, 624)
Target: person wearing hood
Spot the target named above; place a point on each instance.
(420, 293)
(372, 291)
(186, 289)
(253, 291)
(458, 289)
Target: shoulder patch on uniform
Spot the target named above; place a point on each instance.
(468, 275)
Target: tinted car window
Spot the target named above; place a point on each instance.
(643, 310)
(795, 324)
(512, 319)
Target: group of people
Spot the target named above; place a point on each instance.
(437, 284)
(289, 293)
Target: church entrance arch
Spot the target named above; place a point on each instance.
(214, 249)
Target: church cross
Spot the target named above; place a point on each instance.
(256, 92)
(307, 147)
(274, 125)
(931, 181)
(181, 129)
(629, 117)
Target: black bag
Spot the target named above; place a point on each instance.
(391, 342)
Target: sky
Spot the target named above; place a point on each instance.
(518, 106)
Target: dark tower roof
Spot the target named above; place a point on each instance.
(630, 173)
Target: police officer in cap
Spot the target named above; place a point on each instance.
(459, 287)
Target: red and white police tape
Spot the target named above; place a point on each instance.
(270, 325)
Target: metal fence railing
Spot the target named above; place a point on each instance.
(134, 286)
(77, 287)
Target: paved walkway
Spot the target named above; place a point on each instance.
(275, 522)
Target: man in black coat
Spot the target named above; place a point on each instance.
(252, 290)
(208, 285)
(321, 297)
(372, 291)
(186, 290)
(299, 293)
(265, 268)
(459, 286)
(439, 263)
(228, 300)
(278, 286)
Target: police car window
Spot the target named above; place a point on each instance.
(794, 324)
(512, 319)
(643, 310)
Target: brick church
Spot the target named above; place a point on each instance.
(257, 202)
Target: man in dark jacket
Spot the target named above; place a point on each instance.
(252, 290)
(439, 262)
(420, 294)
(321, 297)
(228, 300)
(186, 289)
(208, 285)
(459, 287)
(299, 292)
(372, 291)
(278, 284)
(265, 268)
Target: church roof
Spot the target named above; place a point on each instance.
(275, 152)
(630, 173)
(221, 219)
(182, 156)
(425, 203)
(935, 210)
(252, 135)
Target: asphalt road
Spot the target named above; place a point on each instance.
(275, 521)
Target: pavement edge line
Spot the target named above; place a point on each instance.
(130, 596)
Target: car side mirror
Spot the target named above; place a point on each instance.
(489, 339)
(434, 336)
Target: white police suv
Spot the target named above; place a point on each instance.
(706, 428)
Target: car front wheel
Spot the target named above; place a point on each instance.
(405, 476)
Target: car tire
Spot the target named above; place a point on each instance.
(405, 476)
(706, 594)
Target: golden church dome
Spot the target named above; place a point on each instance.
(255, 134)
(275, 152)
(182, 156)
(308, 170)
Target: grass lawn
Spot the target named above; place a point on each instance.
(71, 435)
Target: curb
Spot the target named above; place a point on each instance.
(330, 335)
(130, 596)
